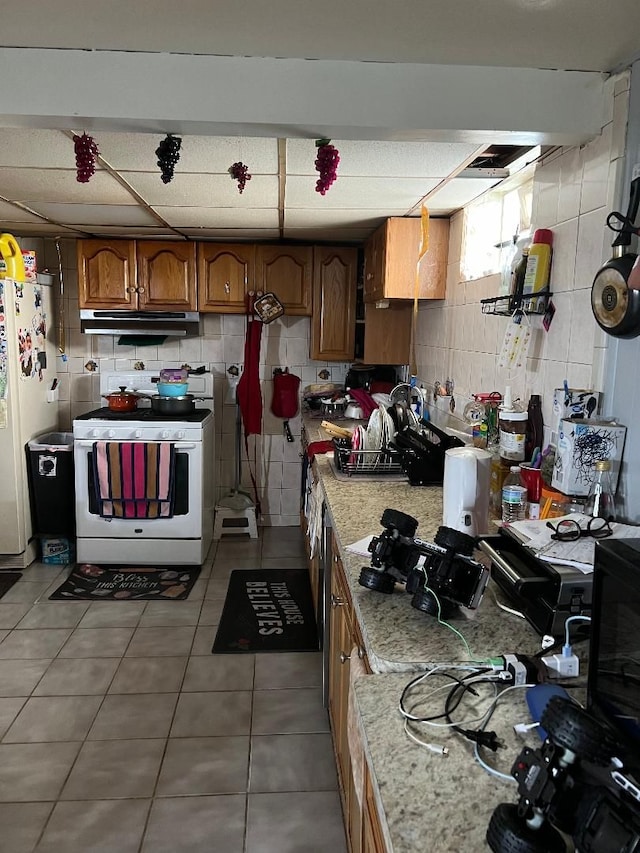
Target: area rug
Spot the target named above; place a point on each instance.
(127, 583)
(7, 580)
(267, 610)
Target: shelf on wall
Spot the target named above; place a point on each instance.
(527, 304)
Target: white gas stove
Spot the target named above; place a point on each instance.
(183, 537)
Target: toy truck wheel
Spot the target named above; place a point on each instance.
(378, 581)
(572, 728)
(406, 524)
(508, 833)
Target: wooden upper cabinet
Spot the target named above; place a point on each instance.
(107, 274)
(286, 271)
(166, 275)
(225, 273)
(387, 334)
(334, 303)
(391, 258)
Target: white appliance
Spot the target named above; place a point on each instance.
(28, 406)
(465, 494)
(186, 536)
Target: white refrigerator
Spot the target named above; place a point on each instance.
(28, 406)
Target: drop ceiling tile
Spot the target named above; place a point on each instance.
(36, 229)
(382, 159)
(338, 235)
(11, 213)
(458, 192)
(304, 218)
(364, 193)
(132, 232)
(59, 185)
(218, 217)
(203, 190)
(96, 214)
(231, 234)
(135, 152)
(46, 149)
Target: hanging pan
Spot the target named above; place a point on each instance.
(615, 301)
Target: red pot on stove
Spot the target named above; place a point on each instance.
(122, 400)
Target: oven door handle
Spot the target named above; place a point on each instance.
(179, 445)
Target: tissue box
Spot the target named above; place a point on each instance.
(572, 403)
(57, 551)
(581, 442)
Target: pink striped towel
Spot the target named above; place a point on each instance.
(134, 479)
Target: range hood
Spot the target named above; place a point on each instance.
(177, 324)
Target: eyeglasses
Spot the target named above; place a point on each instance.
(570, 531)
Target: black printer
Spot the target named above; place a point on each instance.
(546, 593)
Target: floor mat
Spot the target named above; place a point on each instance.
(267, 610)
(7, 580)
(127, 583)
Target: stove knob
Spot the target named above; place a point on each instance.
(180, 433)
(138, 433)
(95, 433)
(165, 434)
(111, 433)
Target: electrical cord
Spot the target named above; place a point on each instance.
(476, 750)
(431, 721)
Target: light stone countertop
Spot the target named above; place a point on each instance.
(398, 637)
(433, 804)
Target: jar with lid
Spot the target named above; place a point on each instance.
(512, 426)
(601, 500)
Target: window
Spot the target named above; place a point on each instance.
(491, 224)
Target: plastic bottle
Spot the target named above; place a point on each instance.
(517, 279)
(601, 500)
(536, 277)
(534, 435)
(514, 497)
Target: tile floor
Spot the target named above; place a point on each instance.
(120, 732)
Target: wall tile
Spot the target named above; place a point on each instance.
(556, 341)
(583, 328)
(592, 239)
(546, 191)
(597, 155)
(570, 185)
(565, 244)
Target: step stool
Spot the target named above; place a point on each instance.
(239, 521)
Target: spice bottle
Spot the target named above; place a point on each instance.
(601, 500)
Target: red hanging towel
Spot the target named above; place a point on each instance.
(248, 393)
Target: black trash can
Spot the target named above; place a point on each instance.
(51, 484)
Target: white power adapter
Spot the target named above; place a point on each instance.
(562, 666)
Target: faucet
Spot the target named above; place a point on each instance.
(401, 393)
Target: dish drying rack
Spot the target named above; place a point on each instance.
(349, 461)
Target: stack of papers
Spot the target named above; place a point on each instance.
(536, 536)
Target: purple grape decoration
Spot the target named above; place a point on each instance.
(326, 164)
(168, 154)
(240, 173)
(86, 152)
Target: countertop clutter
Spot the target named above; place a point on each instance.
(425, 801)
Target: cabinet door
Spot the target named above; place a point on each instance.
(334, 303)
(374, 265)
(433, 265)
(166, 275)
(372, 835)
(107, 274)
(225, 273)
(387, 334)
(287, 271)
(339, 651)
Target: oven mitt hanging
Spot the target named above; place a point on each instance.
(284, 403)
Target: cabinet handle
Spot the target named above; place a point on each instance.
(335, 601)
(131, 289)
(227, 287)
(361, 653)
(369, 276)
(344, 658)
(141, 290)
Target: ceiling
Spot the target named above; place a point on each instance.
(39, 194)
